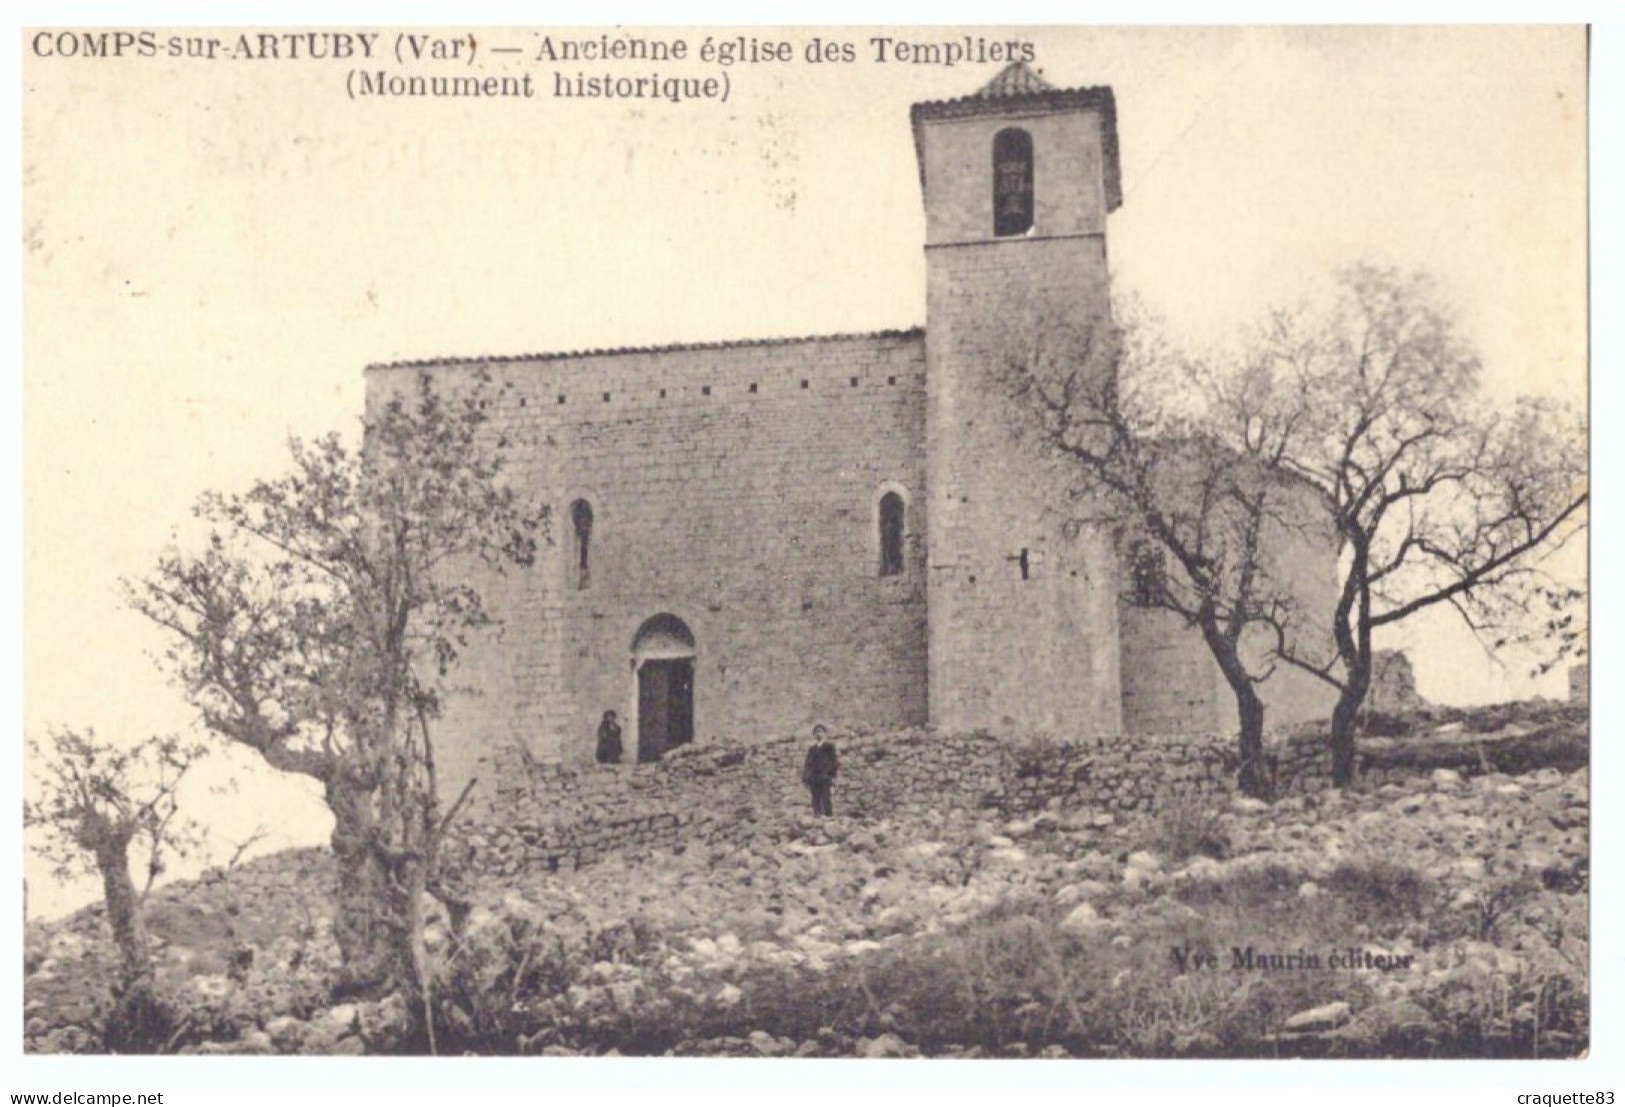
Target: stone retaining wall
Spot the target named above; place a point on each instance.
(547, 816)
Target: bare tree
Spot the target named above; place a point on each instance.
(96, 801)
(1439, 500)
(317, 627)
(1182, 462)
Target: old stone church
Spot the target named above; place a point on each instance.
(752, 537)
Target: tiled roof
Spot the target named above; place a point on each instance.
(905, 335)
(1016, 79)
(1018, 87)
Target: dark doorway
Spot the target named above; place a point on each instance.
(665, 705)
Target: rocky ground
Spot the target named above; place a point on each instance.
(1442, 916)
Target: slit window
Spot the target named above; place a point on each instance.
(581, 551)
(891, 534)
(1012, 182)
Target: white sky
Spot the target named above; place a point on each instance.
(213, 253)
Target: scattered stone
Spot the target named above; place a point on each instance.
(350, 1046)
(1145, 859)
(1082, 919)
(1328, 1016)
(287, 1033)
(1139, 879)
(886, 1045)
(212, 986)
(1401, 1016)
(807, 897)
(1201, 868)
(1081, 891)
(255, 1041)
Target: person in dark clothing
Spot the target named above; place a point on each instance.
(609, 740)
(818, 772)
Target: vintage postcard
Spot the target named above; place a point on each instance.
(806, 542)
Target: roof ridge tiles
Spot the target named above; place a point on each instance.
(673, 347)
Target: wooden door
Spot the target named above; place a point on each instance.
(665, 705)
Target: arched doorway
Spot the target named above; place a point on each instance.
(663, 665)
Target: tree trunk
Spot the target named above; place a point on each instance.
(1344, 717)
(137, 1021)
(1354, 649)
(407, 810)
(400, 916)
(419, 979)
(378, 844)
(123, 917)
(1255, 778)
(360, 926)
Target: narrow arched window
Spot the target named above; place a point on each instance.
(1012, 182)
(891, 534)
(581, 551)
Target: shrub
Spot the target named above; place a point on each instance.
(1244, 889)
(1487, 1015)
(139, 1022)
(494, 975)
(1379, 892)
(1188, 825)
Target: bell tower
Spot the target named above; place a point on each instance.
(1018, 180)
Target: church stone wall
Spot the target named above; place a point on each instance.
(734, 487)
(1171, 682)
